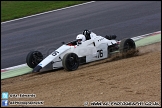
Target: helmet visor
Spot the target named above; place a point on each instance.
(79, 40)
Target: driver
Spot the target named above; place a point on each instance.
(80, 38)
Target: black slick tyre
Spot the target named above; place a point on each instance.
(70, 61)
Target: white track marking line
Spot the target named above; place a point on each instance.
(14, 67)
(47, 12)
(142, 36)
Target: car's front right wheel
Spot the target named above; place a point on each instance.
(34, 58)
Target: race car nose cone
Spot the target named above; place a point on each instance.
(37, 68)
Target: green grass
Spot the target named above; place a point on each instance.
(17, 9)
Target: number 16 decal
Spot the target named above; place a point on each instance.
(100, 53)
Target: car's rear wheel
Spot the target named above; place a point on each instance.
(34, 58)
(70, 61)
(126, 45)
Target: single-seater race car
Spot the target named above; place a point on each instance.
(72, 54)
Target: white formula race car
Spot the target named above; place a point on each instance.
(70, 55)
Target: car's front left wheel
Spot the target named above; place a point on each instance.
(70, 61)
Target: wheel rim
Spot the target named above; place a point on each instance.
(128, 46)
(37, 57)
(72, 61)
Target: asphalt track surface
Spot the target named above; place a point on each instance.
(45, 32)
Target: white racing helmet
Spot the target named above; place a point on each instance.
(80, 38)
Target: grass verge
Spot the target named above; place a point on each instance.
(16, 9)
